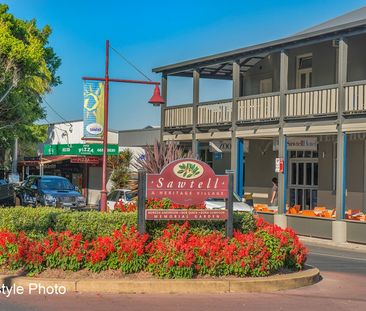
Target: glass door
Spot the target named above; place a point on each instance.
(303, 183)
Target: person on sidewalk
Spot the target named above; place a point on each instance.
(274, 196)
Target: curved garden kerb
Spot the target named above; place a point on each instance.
(306, 277)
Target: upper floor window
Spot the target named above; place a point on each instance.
(304, 71)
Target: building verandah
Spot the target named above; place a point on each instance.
(312, 84)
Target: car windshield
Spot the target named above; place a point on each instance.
(130, 195)
(55, 184)
(2, 182)
(236, 198)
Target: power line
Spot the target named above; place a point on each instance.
(130, 63)
(62, 118)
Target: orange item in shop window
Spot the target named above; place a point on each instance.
(308, 213)
(319, 209)
(326, 214)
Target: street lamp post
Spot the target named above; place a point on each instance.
(156, 100)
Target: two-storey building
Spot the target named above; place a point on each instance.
(301, 99)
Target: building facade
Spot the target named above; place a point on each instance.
(301, 99)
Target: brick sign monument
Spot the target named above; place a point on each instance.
(187, 182)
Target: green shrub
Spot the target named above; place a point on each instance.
(28, 219)
(91, 224)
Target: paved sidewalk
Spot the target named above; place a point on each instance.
(329, 243)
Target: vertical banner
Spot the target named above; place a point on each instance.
(93, 109)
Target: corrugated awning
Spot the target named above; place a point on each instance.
(46, 160)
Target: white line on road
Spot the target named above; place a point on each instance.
(336, 256)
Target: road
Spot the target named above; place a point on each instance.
(342, 287)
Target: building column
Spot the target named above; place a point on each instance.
(339, 232)
(164, 94)
(364, 176)
(234, 156)
(240, 167)
(280, 218)
(196, 100)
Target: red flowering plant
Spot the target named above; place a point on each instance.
(171, 255)
(125, 207)
(10, 253)
(168, 204)
(124, 250)
(64, 250)
(131, 249)
(284, 243)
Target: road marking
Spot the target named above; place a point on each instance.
(336, 256)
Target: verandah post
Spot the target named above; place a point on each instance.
(280, 217)
(339, 227)
(229, 205)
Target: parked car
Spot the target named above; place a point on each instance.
(238, 205)
(6, 193)
(49, 191)
(120, 195)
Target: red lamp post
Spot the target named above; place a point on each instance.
(156, 100)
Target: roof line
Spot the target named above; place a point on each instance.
(266, 45)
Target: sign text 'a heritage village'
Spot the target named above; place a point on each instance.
(187, 182)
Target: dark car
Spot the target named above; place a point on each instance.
(6, 193)
(49, 191)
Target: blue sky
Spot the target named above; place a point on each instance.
(156, 33)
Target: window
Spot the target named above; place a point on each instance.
(112, 196)
(304, 71)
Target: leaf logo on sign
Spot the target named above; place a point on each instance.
(188, 170)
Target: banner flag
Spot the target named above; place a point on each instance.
(93, 109)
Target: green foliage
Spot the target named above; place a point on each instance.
(120, 166)
(28, 219)
(37, 221)
(28, 68)
(93, 224)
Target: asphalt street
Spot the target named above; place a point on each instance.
(342, 288)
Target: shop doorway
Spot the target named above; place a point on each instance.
(303, 179)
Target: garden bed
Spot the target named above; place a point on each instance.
(176, 250)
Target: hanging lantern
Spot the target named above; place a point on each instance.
(156, 99)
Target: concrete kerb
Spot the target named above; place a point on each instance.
(302, 278)
(361, 248)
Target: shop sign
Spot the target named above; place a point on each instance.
(298, 144)
(224, 146)
(185, 214)
(279, 165)
(85, 160)
(188, 182)
(79, 149)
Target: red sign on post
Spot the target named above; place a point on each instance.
(279, 165)
(85, 160)
(188, 182)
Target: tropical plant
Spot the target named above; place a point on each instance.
(120, 166)
(159, 155)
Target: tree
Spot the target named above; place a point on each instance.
(159, 155)
(120, 166)
(28, 68)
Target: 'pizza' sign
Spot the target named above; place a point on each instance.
(188, 182)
